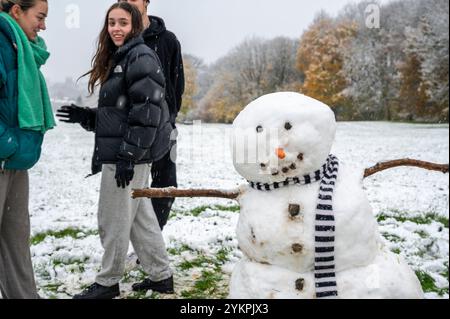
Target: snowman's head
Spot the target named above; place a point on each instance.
(282, 135)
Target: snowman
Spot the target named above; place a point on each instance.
(306, 227)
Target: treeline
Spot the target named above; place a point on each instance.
(398, 72)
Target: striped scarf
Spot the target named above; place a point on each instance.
(324, 266)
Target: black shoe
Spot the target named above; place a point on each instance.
(96, 291)
(164, 286)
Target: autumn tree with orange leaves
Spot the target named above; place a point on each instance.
(320, 58)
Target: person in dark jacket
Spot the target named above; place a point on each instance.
(168, 48)
(25, 116)
(132, 130)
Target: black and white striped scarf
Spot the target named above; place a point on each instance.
(325, 227)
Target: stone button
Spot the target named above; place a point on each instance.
(300, 284)
(294, 210)
(297, 248)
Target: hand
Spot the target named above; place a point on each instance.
(124, 173)
(73, 114)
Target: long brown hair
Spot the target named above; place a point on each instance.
(6, 5)
(102, 60)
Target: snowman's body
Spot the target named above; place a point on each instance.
(267, 233)
(276, 229)
(387, 277)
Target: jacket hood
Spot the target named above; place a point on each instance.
(157, 26)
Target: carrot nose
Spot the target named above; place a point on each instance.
(281, 153)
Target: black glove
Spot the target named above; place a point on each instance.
(74, 114)
(124, 173)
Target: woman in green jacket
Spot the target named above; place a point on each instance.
(25, 115)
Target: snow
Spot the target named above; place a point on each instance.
(61, 197)
(202, 234)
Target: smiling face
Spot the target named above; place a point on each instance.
(119, 26)
(282, 135)
(32, 20)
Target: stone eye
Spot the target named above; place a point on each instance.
(288, 126)
(259, 129)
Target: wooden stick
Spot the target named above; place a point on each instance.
(234, 194)
(174, 192)
(405, 162)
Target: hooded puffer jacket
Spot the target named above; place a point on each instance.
(132, 119)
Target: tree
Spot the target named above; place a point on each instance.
(254, 68)
(320, 58)
(432, 48)
(190, 90)
(281, 72)
(413, 90)
(219, 105)
(399, 71)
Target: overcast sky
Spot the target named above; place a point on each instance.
(205, 28)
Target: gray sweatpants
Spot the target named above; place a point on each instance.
(121, 219)
(16, 270)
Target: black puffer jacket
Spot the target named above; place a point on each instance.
(168, 49)
(132, 119)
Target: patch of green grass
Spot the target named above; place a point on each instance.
(393, 238)
(178, 250)
(420, 220)
(207, 282)
(441, 219)
(222, 255)
(422, 234)
(220, 258)
(53, 287)
(211, 283)
(135, 275)
(64, 262)
(234, 209)
(197, 211)
(206, 287)
(200, 261)
(142, 295)
(429, 284)
(71, 265)
(173, 213)
(75, 233)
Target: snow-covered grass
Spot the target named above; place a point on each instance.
(412, 206)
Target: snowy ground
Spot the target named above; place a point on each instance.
(412, 206)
